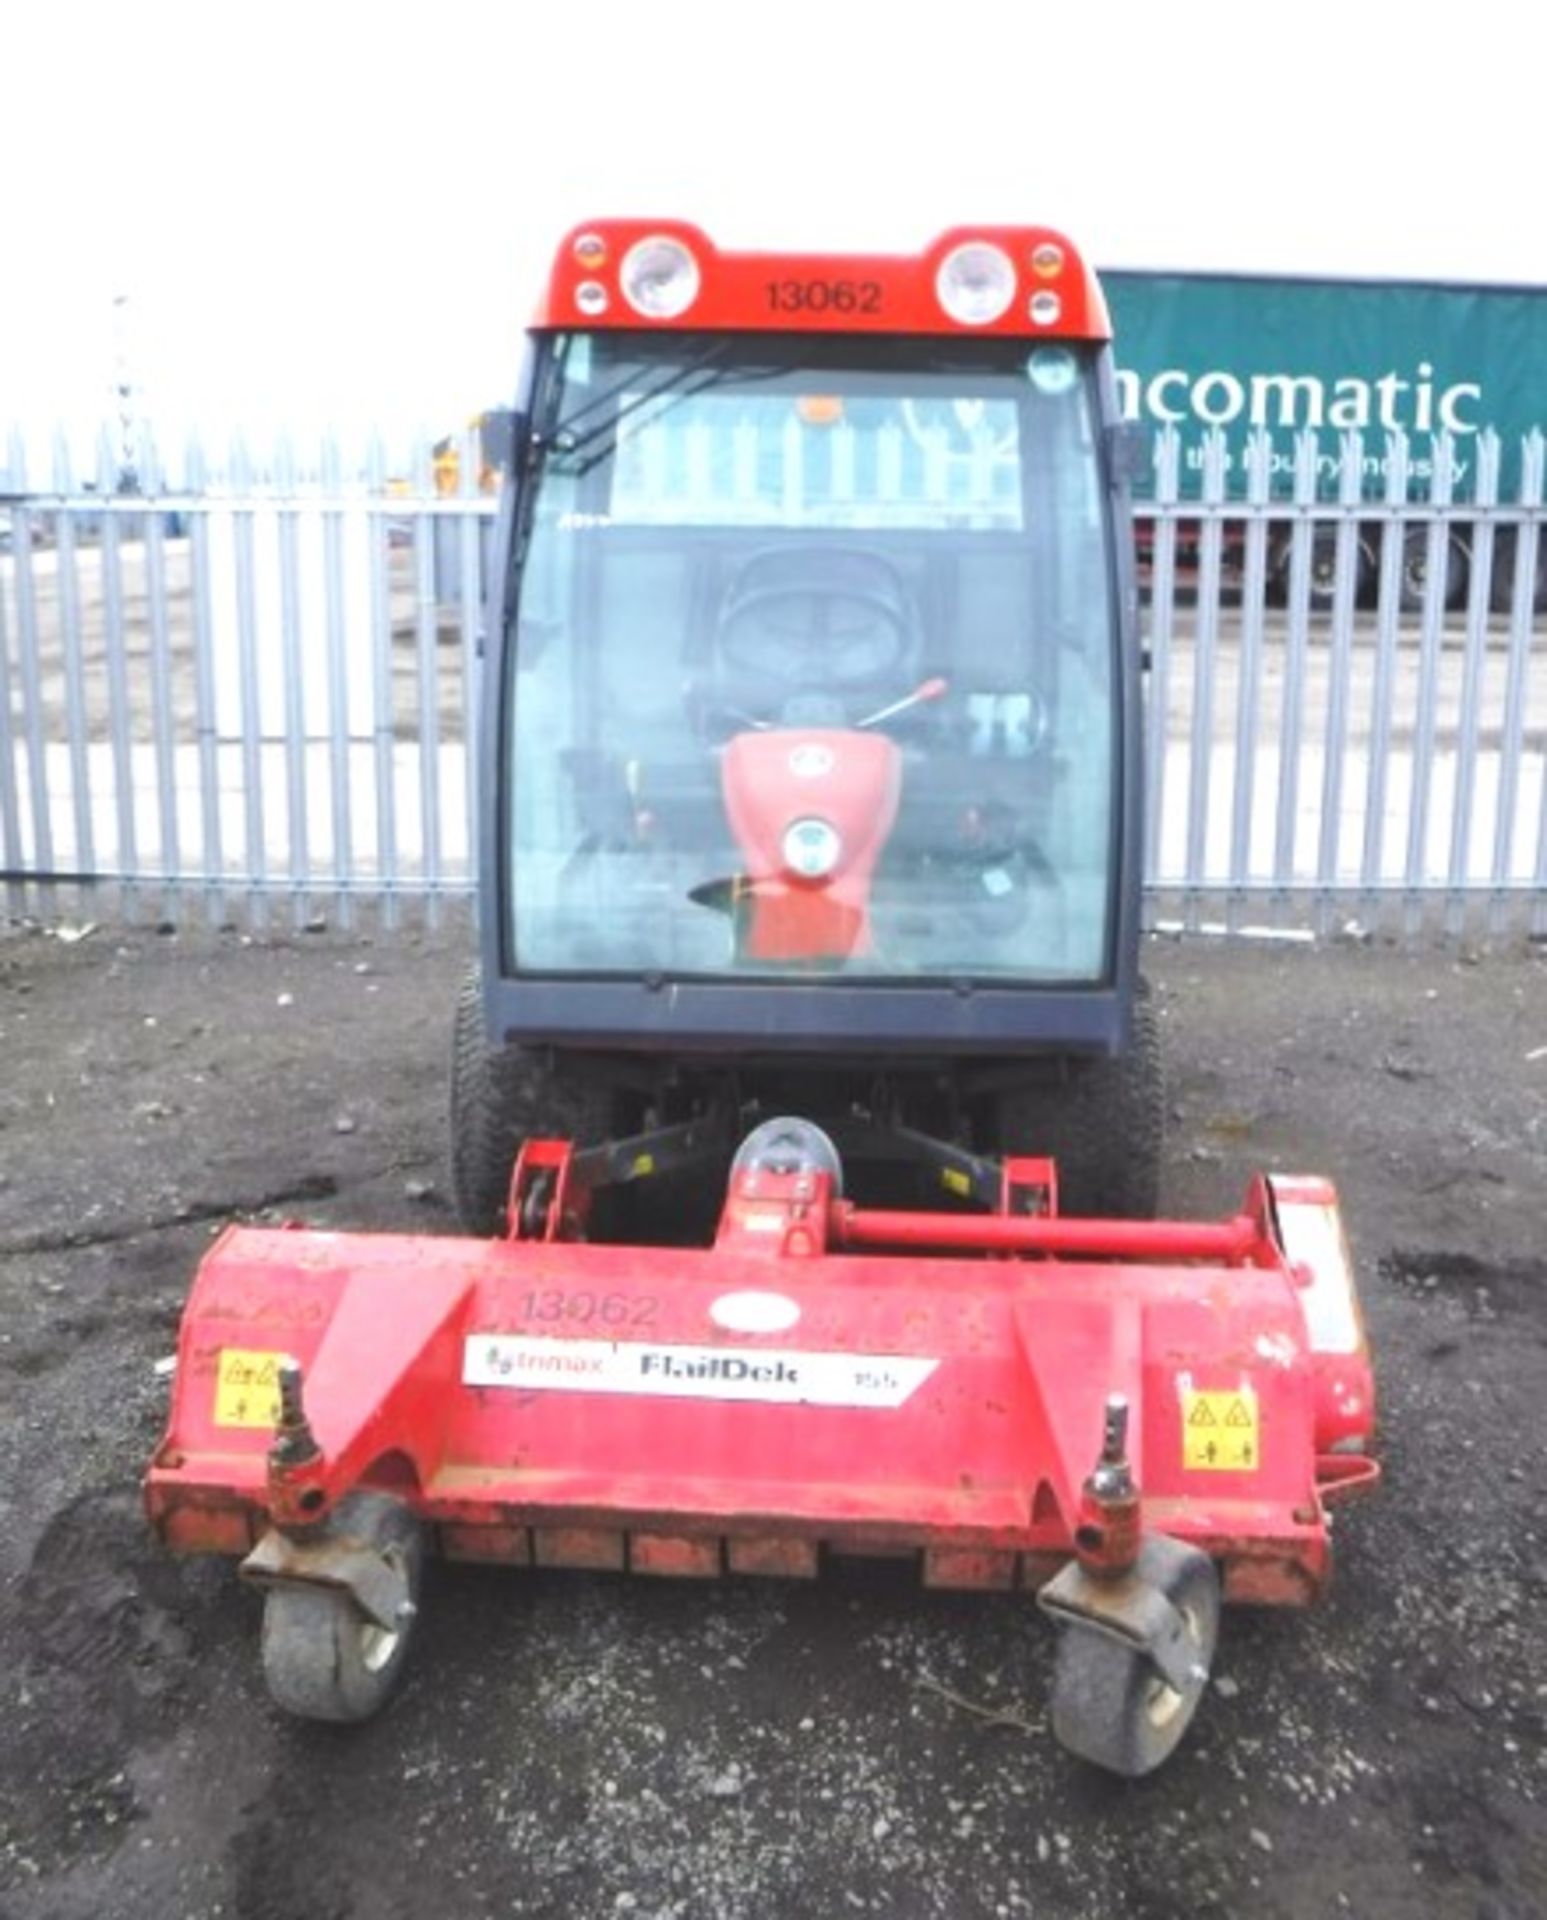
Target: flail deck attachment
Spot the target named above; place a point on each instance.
(1130, 1420)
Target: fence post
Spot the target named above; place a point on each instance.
(1436, 574)
(1168, 458)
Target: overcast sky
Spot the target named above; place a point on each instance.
(336, 212)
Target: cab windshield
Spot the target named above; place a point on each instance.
(814, 661)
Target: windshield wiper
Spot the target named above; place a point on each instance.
(577, 452)
(565, 430)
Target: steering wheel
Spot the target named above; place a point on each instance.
(814, 637)
(820, 623)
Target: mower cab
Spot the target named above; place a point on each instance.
(811, 733)
(810, 765)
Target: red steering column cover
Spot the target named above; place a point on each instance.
(849, 780)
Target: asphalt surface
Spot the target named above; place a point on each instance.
(586, 1745)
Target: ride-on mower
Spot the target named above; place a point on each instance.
(809, 878)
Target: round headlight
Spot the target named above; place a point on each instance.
(591, 297)
(659, 277)
(976, 283)
(811, 848)
(1045, 309)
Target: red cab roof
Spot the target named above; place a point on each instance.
(647, 274)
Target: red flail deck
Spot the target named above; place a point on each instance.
(546, 1401)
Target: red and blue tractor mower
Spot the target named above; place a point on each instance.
(806, 1103)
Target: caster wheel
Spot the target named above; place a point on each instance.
(1111, 1704)
(323, 1659)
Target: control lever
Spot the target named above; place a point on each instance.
(927, 690)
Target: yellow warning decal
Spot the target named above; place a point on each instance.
(247, 1388)
(1220, 1431)
(955, 1181)
(642, 1166)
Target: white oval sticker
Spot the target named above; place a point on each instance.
(753, 1312)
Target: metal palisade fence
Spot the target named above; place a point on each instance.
(1348, 683)
(251, 690)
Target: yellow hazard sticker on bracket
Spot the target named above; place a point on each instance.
(247, 1388)
(1220, 1431)
(957, 1182)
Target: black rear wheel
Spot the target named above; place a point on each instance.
(1502, 596)
(501, 1096)
(1455, 558)
(1103, 1124)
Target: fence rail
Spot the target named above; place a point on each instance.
(257, 689)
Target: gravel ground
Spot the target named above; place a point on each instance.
(574, 1745)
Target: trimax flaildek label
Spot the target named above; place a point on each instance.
(781, 1375)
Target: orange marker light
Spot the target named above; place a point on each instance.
(820, 409)
(590, 252)
(1047, 260)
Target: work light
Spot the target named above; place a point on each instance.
(659, 277)
(975, 283)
